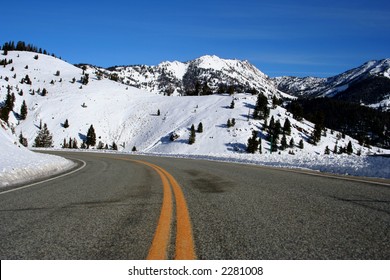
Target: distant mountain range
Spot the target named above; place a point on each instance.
(201, 76)
(368, 84)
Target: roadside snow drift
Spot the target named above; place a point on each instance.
(18, 164)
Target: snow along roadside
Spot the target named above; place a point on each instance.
(362, 166)
(28, 166)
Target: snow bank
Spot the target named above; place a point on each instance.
(365, 166)
(18, 164)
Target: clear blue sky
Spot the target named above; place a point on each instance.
(301, 38)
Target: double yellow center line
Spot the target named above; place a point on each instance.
(184, 243)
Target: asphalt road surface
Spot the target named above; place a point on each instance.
(137, 207)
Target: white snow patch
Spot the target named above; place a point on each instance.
(18, 164)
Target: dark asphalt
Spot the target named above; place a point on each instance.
(110, 209)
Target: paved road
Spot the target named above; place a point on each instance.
(111, 209)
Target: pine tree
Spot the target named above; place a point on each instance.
(200, 128)
(253, 143)
(8, 106)
(114, 146)
(66, 123)
(300, 145)
(75, 144)
(232, 104)
(327, 150)
(261, 110)
(91, 137)
(44, 138)
(283, 142)
(275, 101)
(233, 121)
(23, 111)
(158, 112)
(260, 147)
(191, 140)
(134, 149)
(292, 144)
(229, 124)
(64, 144)
(335, 149)
(23, 140)
(287, 127)
(85, 79)
(316, 135)
(349, 148)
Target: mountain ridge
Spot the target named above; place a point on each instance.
(201, 76)
(312, 87)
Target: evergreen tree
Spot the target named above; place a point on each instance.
(260, 147)
(85, 79)
(292, 144)
(316, 135)
(75, 145)
(253, 143)
(158, 112)
(44, 138)
(335, 149)
(200, 128)
(300, 144)
(349, 148)
(114, 146)
(23, 111)
(191, 140)
(64, 144)
(297, 110)
(283, 142)
(66, 123)
(275, 101)
(287, 127)
(23, 140)
(134, 149)
(271, 125)
(233, 121)
(261, 110)
(327, 150)
(7, 108)
(91, 137)
(229, 124)
(232, 104)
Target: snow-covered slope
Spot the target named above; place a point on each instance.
(177, 78)
(18, 164)
(128, 116)
(329, 87)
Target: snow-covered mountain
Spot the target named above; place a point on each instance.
(202, 76)
(55, 91)
(368, 83)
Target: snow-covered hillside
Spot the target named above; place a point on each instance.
(178, 78)
(18, 164)
(329, 87)
(128, 116)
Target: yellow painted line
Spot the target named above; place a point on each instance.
(159, 248)
(184, 244)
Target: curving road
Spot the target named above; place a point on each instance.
(137, 207)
